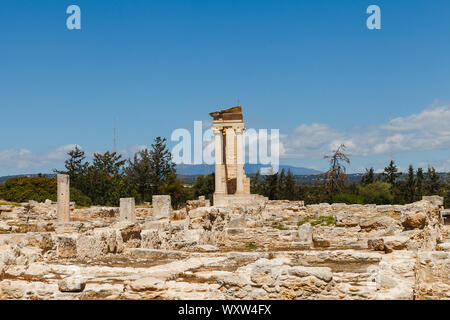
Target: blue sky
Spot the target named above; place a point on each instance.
(309, 68)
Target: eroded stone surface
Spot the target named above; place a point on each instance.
(270, 250)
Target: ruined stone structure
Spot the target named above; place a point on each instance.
(274, 250)
(232, 186)
(127, 210)
(162, 208)
(63, 211)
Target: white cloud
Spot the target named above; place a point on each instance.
(425, 131)
(60, 154)
(24, 159)
(130, 151)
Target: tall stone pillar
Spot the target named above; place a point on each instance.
(63, 209)
(127, 210)
(219, 165)
(239, 161)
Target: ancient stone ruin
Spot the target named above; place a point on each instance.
(232, 186)
(241, 247)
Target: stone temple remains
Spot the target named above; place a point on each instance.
(241, 247)
(232, 186)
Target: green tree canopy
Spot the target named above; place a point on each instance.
(376, 193)
(391, 173)
(368, 177)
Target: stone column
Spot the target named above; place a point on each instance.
(127, 210)
(162, 207)
(219, 165)
(239, 161)
(63, 210)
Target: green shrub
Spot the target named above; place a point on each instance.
(376, 193)
(252, 246)
(22, 189)
(348, 198)
(79, 198)
(322, 220)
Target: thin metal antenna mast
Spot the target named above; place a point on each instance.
(115, 137)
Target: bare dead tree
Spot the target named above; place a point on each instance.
(336, 178)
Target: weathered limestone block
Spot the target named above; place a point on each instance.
(395, 277)
(215, 238)
(392, 243)
(146, 284)
(305, 234)
(240, 222)
(130, 232)
(376, 244)
(8, 256)
(4, 227)
(10, 289)
(90, 247)
(435, 200)
(161, 225)
(150, 239)
(266, 272)
(72, 284)
(179, 214)
(192, 236)
(345, 219)
(378, 223)
(414, 220)
(206, 248)
(66, 246)
(63, 211)
(194, 204)
(111, 237)
(433, 275)
(144, 253)
(162, 208)
(127, 210)
(337, 237)
(68, 227)
(385, 208)
(157, 238)
(38, 269)
(41, 240)
(198, 212)
(322, 273)
(389, 243)
(235, 231)
(99, 243)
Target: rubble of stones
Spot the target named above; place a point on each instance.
(270, 250)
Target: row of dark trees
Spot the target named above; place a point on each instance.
(388, 187)
(151, 171)
(110, 177)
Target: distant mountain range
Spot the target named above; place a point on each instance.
(190, 172)
(187, 170)
(203, 169)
